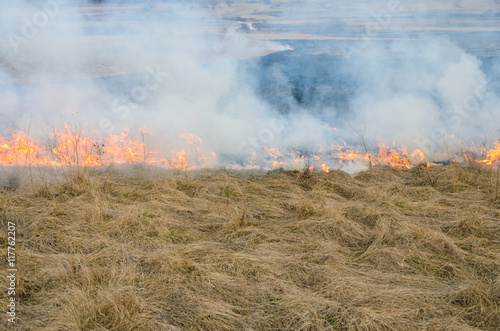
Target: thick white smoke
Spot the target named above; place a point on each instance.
(425, 91)
(177, 68)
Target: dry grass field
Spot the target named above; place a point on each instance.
(387, 249)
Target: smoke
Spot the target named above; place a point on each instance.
(180, 68)
(125, 65)
(424, 87)
(405, 77)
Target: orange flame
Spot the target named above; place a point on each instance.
(65, 147)
(350, 155)
(19, 149)
(493, 155)
(191, 138)
(392, 157)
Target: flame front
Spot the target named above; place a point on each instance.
(65, 147)
(493, 155)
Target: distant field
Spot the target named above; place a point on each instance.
(213, 250)
(472, 25)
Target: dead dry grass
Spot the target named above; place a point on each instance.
(385, 250)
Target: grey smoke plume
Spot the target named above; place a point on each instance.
(178, 68)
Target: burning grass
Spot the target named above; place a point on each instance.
(70, 147)
(213, 250)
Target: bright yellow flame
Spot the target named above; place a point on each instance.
(493, 155)
(66, 147)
